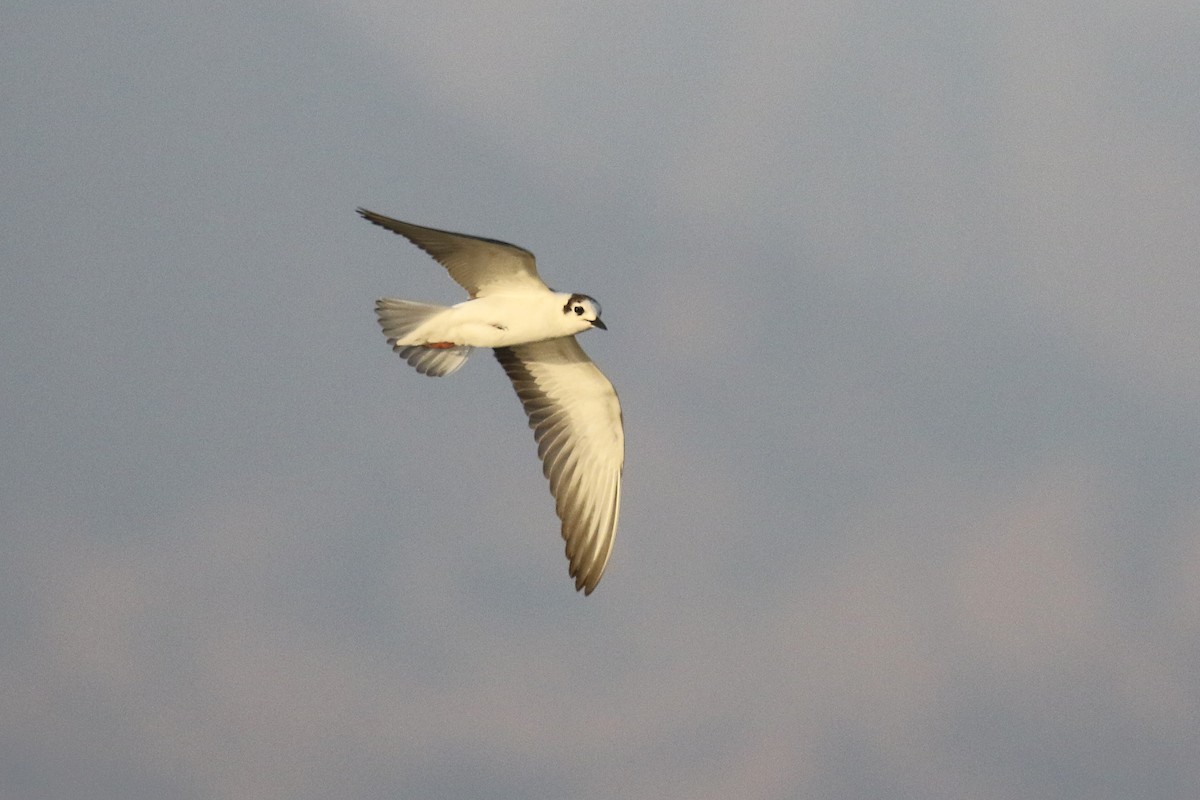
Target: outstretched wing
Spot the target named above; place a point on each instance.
(481, 266)
(576, 419)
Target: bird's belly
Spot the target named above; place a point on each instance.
(479, 324)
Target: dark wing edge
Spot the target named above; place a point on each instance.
(460, 253)
(577, 422)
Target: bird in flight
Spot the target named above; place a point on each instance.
(572, 408)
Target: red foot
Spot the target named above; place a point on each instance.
(440, 345)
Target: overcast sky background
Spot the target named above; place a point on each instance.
(903, 304)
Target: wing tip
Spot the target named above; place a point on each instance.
(586, 582)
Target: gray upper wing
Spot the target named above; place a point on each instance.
(576, 419)
(479, 265)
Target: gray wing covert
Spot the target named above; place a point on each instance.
(477, 264)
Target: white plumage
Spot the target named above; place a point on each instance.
(571, 406)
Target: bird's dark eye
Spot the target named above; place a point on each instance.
(579, 310)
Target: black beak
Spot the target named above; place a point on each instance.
(599, 323)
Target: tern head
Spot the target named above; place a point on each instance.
(584, 309)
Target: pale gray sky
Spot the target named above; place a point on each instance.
(903, 306)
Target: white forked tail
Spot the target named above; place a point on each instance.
(399, 319)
